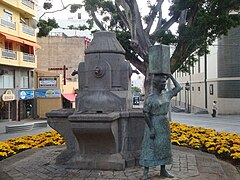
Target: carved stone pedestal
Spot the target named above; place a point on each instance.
(99, 141)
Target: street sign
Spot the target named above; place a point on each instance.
(8, 96)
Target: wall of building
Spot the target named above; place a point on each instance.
(58, 51)
(19, 11)
(228, 84)
(46, 105)
(222, 78)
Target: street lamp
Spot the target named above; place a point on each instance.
(187, 88)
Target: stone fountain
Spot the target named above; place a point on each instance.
(103, 132)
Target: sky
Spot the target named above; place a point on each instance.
(57, 4)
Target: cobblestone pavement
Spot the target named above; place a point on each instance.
(41, 165)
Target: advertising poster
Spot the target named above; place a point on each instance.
(25, 94)
(48, 93)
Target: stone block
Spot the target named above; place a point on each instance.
(159, 59)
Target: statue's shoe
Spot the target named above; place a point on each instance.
(166, 174)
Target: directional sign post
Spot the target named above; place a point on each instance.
(64, 68)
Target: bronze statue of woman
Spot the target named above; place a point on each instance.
(156, 146)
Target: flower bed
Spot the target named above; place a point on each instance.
(223, 145)
(16, 145)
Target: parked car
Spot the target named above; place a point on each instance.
(136, 100)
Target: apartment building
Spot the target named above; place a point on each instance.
(214, 77)
(17, 58)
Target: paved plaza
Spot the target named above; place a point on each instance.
(188, 164)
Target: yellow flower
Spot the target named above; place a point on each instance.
(175, 142)
(235, 155)
(223, 150)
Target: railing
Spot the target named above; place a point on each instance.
(28, 57)
(9, 54)
(28, 3)
(8, 24)
(28, 30)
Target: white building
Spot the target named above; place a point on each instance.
(216, 76)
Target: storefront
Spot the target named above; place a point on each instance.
(7, 106)
(68, 100)
(26, 104)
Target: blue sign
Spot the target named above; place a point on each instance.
(25, 94)
(48, 93)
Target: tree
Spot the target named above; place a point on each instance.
(200, 22)
(135, 90)
(46, 26)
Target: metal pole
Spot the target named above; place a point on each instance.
(9, 111)
(64, 75)
(185, 100)
(17, 111)
(205, 77)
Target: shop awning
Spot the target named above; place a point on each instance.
(69, 96)
(20, 40)
(31, 44)
(13, 38)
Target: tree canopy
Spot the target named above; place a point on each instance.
(46, 26)
(199, 22)
(135, 90)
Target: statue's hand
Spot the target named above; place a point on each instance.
(152, 133)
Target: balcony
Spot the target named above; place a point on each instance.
(28, 57)
(17, 58)
(28, 3)
(8, 24)
(28, 30)
(9, 54)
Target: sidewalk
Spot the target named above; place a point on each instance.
(225, 123)
(5, 136)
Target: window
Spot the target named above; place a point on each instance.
(27, 49)
(7, 79)
(31, 79)
(211, 89)
(8, 45)
(198, 88)
(198, 64)
(192, 88)
(24, 21)
(7, 15)
(24, 79)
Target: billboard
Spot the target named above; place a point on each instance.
(48, 93)
(26, 94)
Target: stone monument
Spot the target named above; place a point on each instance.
(103, 132)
